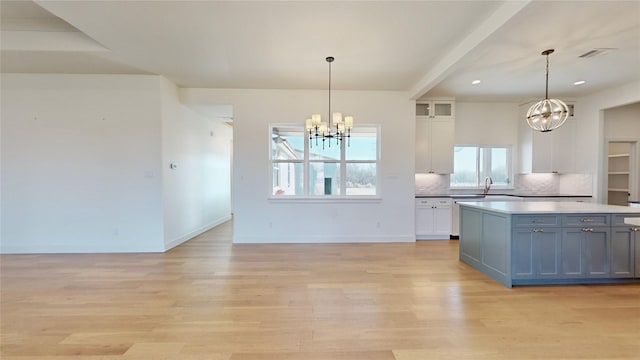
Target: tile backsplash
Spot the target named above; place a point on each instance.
(524, 184)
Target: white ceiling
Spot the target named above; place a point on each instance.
(427, 48)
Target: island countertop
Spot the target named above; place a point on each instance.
(548, 207)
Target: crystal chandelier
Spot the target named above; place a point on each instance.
(336, 127)
(547, 114)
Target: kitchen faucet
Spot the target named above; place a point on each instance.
(487, 184)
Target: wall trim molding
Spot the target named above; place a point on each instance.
(307, 239)
(190, 235)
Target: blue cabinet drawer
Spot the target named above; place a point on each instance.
(586, 220)
(536, 220)
(618, 220)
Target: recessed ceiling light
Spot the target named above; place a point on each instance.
(475, 82)
(579, 82)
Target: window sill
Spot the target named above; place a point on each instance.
(324, 199)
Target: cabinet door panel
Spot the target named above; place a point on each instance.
(547, 246)
(442, 138)
(522, 253)
(542, 152)
(622, 252)
(572, 253)
(471, 234)
(495, 240)
(424, 221)
(637, 251)
(423, 146)
(597, 254)
(442, 220)
(442, 110)
(563, 146)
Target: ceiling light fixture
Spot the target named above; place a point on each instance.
(579, 82)
(475, 82)
(324, 130)
(547, 114)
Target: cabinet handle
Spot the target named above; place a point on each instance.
(538, 230)
(586, 220)
(635, 229)
(587, 230)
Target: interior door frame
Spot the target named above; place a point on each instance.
(633, 167)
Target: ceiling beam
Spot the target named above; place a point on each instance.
(448, 63)
(49, 41)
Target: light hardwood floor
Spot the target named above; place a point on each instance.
(209, 299)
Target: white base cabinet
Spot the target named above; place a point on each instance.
(433, 218)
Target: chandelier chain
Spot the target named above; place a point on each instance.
(329, 60)
(546, 90)
(324, 130)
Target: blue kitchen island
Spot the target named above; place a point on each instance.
(538, 243)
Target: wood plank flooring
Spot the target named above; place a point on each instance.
(210, 299)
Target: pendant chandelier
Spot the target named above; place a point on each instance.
(547, 114)
(336, 127)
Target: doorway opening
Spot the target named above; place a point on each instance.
(620, 172)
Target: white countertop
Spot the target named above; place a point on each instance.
(541, 207)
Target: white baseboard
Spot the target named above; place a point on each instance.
(322, 239)
(173, 243)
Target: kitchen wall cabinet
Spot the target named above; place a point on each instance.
(436, 109)
(433, 218)
(434, 143)
(548, 152)
(435, 135)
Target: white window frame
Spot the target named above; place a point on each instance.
(306, 162)
(486, 166)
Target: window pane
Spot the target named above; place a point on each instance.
(465, 166)
(288, 178)
(312, 167)
(361, 179)
(362, 146)
(484, 163)
(324, 178)
(287, 144)
(499, 166)
(316, 152)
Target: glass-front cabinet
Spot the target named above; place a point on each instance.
(442, 109)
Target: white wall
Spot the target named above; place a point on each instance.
(196, 193)
(80, 163)
(83, 162)
(590, 140)
(258, 219)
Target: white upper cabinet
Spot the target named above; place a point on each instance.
(548, 152)
(435, 131)
(442, 109)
